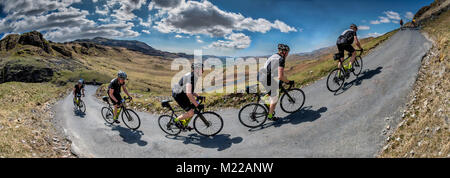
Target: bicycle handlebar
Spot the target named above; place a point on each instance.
(201, 99)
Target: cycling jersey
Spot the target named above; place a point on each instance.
(78, 89)
(272, 64)
(347, 37)
(116, 86)
(268, 75)
(180, 87)
(179, 91)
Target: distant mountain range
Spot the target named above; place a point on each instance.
(133, 45)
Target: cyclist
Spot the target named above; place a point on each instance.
(78, 91)
(401, 24)
(271, 75)
(344, 43)
(414, 23)
(114, 93)
(183, 93)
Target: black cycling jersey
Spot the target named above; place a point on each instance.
(347, 37)
(78, 89)
(116, 86)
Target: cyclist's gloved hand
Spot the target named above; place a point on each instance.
(130, 98)
(291, 82)
(200, 98)
(200, 107)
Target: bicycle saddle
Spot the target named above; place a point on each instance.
(165, 103)
(105, 98)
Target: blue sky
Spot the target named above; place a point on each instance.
(219, 27)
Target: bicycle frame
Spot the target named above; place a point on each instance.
(349, 56)
(199, 113)
(282, 90)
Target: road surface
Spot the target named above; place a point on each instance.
(349, 123)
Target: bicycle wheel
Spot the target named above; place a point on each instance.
(357, 66)
(131, 119)
(208, 124)
(294, 102)
(253, 115)
(107, 114)
(335, 80)
(82, 107)
(167, 124)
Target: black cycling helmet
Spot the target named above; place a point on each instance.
(122, 75)
(283, 47)
(353, 25)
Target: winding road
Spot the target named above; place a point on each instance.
(349, 123)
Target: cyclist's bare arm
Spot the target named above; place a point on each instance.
(82, 90)
(74, 94)
(111, 91)
(190, 95)
(357, 42)
(125, 90)
(281, 75)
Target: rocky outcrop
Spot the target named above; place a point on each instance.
(62, 50)
(9, 42)
(35, 38)
(25, 73)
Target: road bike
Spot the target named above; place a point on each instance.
(79, 104)
(205, 123)
(129, 117)
(336, 78)
(255, 114)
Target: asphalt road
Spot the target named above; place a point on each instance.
(349, 123)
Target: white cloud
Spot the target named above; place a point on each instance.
(147, 23)
(164, 4)
(409, 15)
(146, 31)
(380, 20)
(102, 12)
(375, 34)
(58, 20)
(126, 8)
(392, 15)
(233, 41)
(178, 36)
(200, 41)
(195, 18)
(363, 27)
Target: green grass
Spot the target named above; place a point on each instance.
(65, 76)
(25, 127)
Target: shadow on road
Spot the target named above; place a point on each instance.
(78, 113)
(221, 141)
(130, 136)
(367, 74)
(306, 114)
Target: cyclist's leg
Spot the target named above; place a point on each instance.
(273, 99)
(341, 54)
(352, 51)
(117, 105)
(184, 102)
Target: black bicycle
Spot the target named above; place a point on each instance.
(255, 114)
(129, 117)
(79, 104)
(205, 123)
(336, 78)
